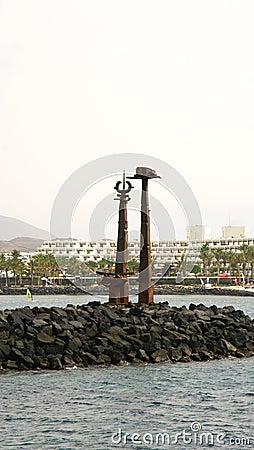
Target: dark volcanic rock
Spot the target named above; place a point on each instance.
(94, 334)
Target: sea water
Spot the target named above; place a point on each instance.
(178, 406)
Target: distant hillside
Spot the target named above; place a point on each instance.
(23, 244)
(11, 228)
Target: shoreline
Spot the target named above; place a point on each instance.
(104, 335)
(158, 290)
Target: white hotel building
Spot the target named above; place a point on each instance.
(164, 253)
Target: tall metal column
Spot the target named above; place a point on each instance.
(121, 266)
(145, 267)
(117, 281)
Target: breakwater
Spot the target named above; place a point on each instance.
(96, 334)
(101, 290)
(43, 290)
(199, 290)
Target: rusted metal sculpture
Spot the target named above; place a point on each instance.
(117, 281)
(145, 267)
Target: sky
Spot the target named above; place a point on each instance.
(84, 79)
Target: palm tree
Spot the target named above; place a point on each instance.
(196, 269)
(51, 266)
(17, 265)
(244, 249)
(231, 260)
(247, 261)
(251, 258)
(218, 254)
(30, 265)
(46, 265)
(206, 258)
(235, 261)
(5, 265)
(39, 266)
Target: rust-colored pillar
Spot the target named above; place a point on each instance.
(117, 281)
(119, 289)
(145, 268)
(122, 236)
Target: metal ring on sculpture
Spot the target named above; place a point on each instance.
(124, 191)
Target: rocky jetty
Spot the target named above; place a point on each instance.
(101, 290)
(98, 334)
(199, 290)
(43, 290)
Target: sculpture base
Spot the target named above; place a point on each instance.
(118, 290)
(146, 297)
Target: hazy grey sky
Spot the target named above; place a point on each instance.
(83, 79)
